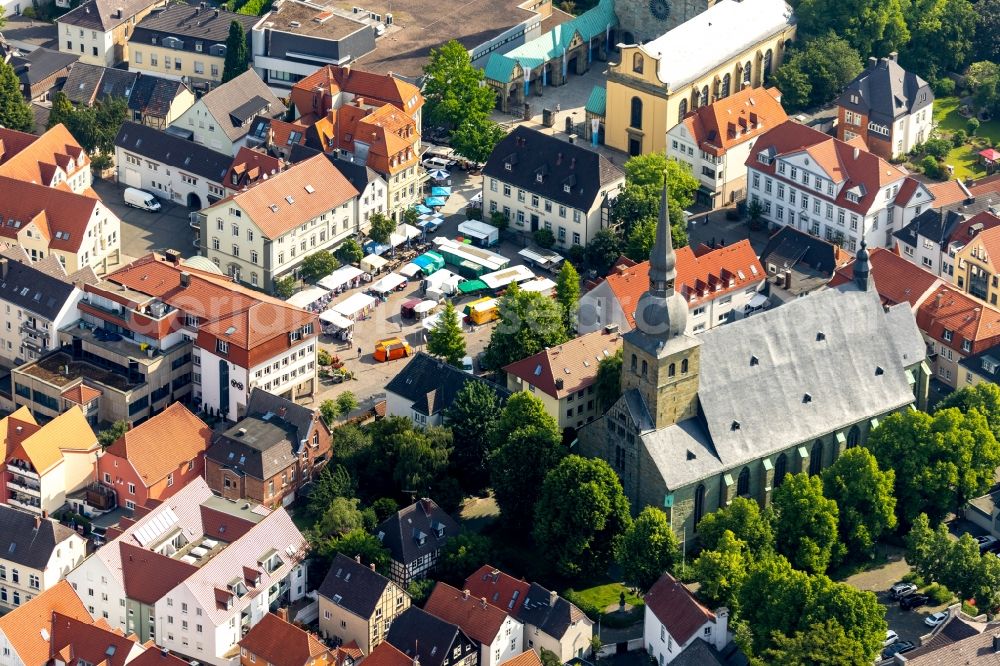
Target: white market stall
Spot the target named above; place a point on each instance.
(424, 307)
(481, 233)
(410, 270)
(307, 297)
(337, 325)
(500, 279)
(355, 306)
(403, 233)
(542, 285)
(373, 263)
(345, 276)
(429, 322)
(388, 283)
(441, 283)
(548, 260)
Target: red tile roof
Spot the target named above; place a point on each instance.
(479, 619)
(282, 644)
(223, 526)
(896, 279)
(81, 394)
(36, 160)
(314, 94)
(154, 656)
(733, 120)
(526, 658)
(250, 167)
(705, 277)
(61, 217)
(142, 446)
(677, 609)
(148, 575)
(23, 626)
(946, 308)
(574, 363)
(837, 158)
(947, 192)
(972, 227)
(385, 654)
(89, 641)
(500, 589)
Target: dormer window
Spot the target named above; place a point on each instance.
(508, 166)
(567, 188)
(764, 157)
(539, 178)
(852, 197)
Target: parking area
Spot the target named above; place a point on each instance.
(144, 232)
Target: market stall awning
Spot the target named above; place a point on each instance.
(341, 277)
(353, 305)
(420, 208)
(335, 319)
(307, 297)
(424, 306)
(472, 286)
(388, 283)
(403, 233)
(373, 262)
(434, 202)
(410, 269)
(441, 191)
(429, 322)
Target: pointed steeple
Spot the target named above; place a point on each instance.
(662, 260)
(862, 268)
(661, 311)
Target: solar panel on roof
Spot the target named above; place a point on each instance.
(156, 527)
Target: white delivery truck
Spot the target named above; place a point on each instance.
(141, 199)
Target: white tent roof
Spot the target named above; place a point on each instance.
(307, 296)
(410, 269)
(388, 283)
(540, 285)
(502, 278)
(340, 277)
(402, 233)
(353, 304)
(373, 262)
(477, 229)
(338, 320)
(443, 276)
(424, 306)
(430, 321)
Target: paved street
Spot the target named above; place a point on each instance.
(144, 232)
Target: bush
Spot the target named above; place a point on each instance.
(589, 609)
(284, 287)
(930, 167)
(545, 238)
(474, 213)
(939, 594)
(577, 253)
(100, 162)
(959, 138)
(944, 87)
(972, 126)
(29, 12)
(937, 147)
(323, 357)
(915, 578)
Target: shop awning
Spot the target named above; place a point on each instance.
(440, 191)
(434, 202)
(424, 306)
(410, 269)
(472, 286)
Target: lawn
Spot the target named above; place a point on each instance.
(964, 158)
(606, 594)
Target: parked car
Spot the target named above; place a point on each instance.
(897, 648)
(467, 365)
(936, 619)
(987, 543)
(911, 601)
(890, 638)
(141, 199)
(900, 590)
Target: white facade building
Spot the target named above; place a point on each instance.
(675, 619)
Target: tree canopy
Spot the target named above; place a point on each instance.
(805, 524)
(647, 548)
(871, 27)
(580, 516)
(608, 383)
(986, 46)
(237, 55)
(744, 518)
(350, 252)
(461, 555)
(721, 571)
(863, 493)
(529, 322)
(568, 294)
(941, 36)
(817, 71)
(318, 265)
(472, 416)
(446, 339)
(453, 90)
(381, 227)
(15, 112)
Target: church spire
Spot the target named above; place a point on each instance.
(862, 269)
(662, 260)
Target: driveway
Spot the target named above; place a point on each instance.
(144, 232)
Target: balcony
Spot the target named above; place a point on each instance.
(33, 330)
(22, 469)
(25, 502)
(25, 486)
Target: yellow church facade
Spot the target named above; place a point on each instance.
(733, 45)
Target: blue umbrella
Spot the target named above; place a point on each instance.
(438, 174)
(434, 201)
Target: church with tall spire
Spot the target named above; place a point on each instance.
(732, 411)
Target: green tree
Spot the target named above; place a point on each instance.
(472, 416)
(422, 461)
(983, 80)
(646, 172)
(527, 444)
(476, 138)
(568, 294)
(805, 524)
(237, 55)
(608, 384)
(384, 507)
(930, 166)
(642, 235)
(744, 518)
(346, 402)
(284, 287)
(927, 549)
(984, 397)
(529, 322)
(445, 339)
(817, 72)
(109, 115)
(420, 589)
(342, 515)
(956, 564)
(328, 411)
(110, 435)
(986, 46)
(381, 228)
(499, 220)
(580, 516)
(721, 572)
(62, 110)
(544, 238)
(461, 555)
(356, 543)
(333, 482)
(550, 658)
(647, 548)
(15, 113)
(871, 27)
(454, 90)
(941, 34)
(864, 498)
(318, 265)
(820, 644)
(940, 461)
(350, 252)
(602, 250)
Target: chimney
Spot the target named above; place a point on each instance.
(372, 566)
(553, 597)
(45, 514)
(938, 299)
(38, 522)
(185, 278)
(894, 56)
(3, 267)
(357, 558)
(482, 601)
(857, 152)
(996, 643)
(872, 61)
(465, 594)
(788, 279)
(216, 13)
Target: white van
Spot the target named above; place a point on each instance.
(141, 199)
(437, 162)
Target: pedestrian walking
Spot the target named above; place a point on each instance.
(359, 352)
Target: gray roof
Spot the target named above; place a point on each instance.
(553, 619)
(87, 83)
(256, 446)
(401, 532)
(816, 371)
(358, 175)
(154, 95)
(885, 91)
(958, 644)
(227, 98)
(353, 586)
(797, 250)
(103, 14)
(40, 64)
(300, 417)
(22, 543)
(207, 26)
(560, 163)
(700, 653)
(33, 290)
(429, 638)
(985, 364)
(173, 151)
(431, 385)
